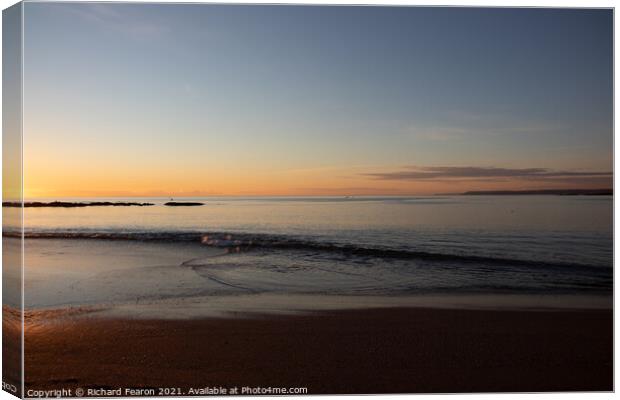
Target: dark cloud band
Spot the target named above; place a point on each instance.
(475, 173)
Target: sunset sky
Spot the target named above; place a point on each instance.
(173, 100)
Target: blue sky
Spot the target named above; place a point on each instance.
(296, 98)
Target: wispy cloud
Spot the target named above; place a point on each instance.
(110, 17)
(464, 125)
(418, 173)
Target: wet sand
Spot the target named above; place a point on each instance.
(11, 350)
(417, 350)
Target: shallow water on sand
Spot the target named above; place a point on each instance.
(366, 248)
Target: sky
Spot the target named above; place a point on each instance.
(198, 100)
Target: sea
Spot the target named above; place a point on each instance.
(289, 254)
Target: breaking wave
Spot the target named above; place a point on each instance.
(241, 242)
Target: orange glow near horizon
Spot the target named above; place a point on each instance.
(42, 181)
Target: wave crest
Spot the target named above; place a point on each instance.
(236, 242)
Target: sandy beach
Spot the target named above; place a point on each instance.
(419, 350)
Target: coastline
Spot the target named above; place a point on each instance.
(271, 304)
(166, 304)
(382, 350)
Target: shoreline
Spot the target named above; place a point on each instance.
(275, 304)
(383, 350)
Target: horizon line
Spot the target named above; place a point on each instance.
(611, 189)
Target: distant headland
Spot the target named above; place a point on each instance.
(557, 192)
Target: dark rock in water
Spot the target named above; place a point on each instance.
(180, 203)
(67, 204)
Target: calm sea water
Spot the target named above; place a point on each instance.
(342, 246)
